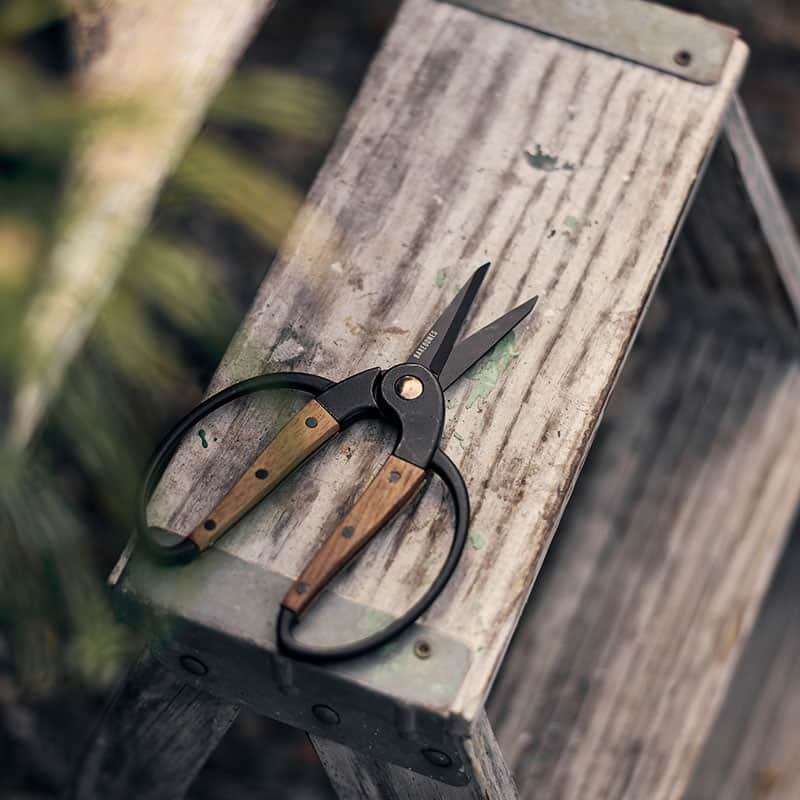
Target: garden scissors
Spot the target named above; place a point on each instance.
(410, 396)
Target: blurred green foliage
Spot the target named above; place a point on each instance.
(65, 502)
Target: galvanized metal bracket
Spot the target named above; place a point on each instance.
(686, 45)
(213, 622)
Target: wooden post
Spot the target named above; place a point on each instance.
(152, 740)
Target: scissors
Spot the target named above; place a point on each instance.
(410, 396)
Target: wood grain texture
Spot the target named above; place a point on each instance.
(666, 549)
(393, 487)
(303, 435)
(355, 776)
(152, 740)
(434, 172)
(753, 752)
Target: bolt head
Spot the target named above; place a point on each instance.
(437, 757)
(325, 714)
(409, 387)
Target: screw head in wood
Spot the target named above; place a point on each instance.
(348, 531)
(311, 422)
(394, 476)
(325, 714)
(209, 524)
(301, 588)
(262, 474)
(409, 387)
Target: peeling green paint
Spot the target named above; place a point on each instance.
(202, 434)
(486, 373)
(545, 161)
(576, 224)
(440, 277)
(459, 438)
(476, 540)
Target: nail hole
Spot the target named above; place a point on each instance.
(261, 474)
(348, 531)
(209, 524)
(311, 422)
(683, 58)
(394, 476)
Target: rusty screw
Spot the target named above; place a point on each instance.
(422, 648)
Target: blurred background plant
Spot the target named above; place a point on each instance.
(68, 477)
(69, 470)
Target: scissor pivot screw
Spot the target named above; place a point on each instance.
(409, 387)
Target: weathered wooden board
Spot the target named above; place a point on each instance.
(471, 139)
(752, 753)
(153, 739)
(358, 777)
(665, 551)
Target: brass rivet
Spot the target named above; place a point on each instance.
(409, 387)
(422, 648)
(682, 58)
(348, 531)
(394, 476)
(209, 524)
(311, 422)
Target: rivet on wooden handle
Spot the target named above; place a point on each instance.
(394, 485)
(304, 433)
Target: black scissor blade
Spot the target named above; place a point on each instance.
(466, 353)
(435, 347)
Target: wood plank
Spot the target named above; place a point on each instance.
(152, 740)
(752, 753)
(355, 776)
(665, 551)
(440, 165)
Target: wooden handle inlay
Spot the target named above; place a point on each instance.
(394, 485)
(304, 433)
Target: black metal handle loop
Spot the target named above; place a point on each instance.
(287, 619)
(169, 547)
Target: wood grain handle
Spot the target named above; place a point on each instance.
(304, 433)
(394, 485)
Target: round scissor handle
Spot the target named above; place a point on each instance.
(171, 548)
(287, 620)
